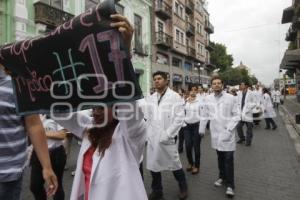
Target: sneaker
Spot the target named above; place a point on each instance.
(274, 128)
(73, 173)
(219, 182)
(229, 192)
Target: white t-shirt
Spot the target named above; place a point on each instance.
(50, 125)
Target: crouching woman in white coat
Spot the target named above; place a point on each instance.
(108, 161)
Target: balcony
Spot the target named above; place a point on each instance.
(163, 10)
(163, 40)
(189, 6)
(190, 29)
(191, 52)
(50, 16)
(291, 34)
(287, 15)
(209, 46)
(209, 27)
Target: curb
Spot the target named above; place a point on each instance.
(291, 118)
(292, 128)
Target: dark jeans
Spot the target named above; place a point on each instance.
(226, 167)
(11, 190)
(270, 121)
(58, 161)
(249, 132)
(179, 176)
(256, 118)
(181, 139)
(192, 142)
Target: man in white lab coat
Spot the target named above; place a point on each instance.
(257, 111)
(165, 118)
(220, 108)
(246, 102)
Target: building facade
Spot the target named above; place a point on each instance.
(291, 59)
(181, 41)
(20, 19)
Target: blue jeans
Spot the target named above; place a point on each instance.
(179, 176)
(226, 167)
(11, 190)
(249, 133)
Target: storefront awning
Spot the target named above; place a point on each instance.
(291, 59)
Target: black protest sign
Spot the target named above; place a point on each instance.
(81, 62)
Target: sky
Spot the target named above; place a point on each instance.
(252, 32)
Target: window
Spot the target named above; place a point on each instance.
(120, 9)
(179, 9)
(176, 7)
(177, 35)
(176, 62)
(138, 32)
(199, 27)
(160, 26)
(180, 36)
(200, 48)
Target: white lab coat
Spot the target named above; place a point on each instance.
(276, 96)
(224, 115)
(115, 175)
(163, 124)
(258, 99)
(250, 103)
(269, 111)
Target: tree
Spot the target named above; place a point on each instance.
(220, 58)
(234, 76)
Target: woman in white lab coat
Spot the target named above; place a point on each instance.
(108, 161)
(269, 112)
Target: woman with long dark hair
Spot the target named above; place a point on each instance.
(269, 112)
(113, 141)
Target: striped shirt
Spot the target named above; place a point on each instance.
(13, 141)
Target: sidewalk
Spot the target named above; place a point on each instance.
(268, 170)
(291, 107)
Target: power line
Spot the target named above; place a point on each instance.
(250, 27)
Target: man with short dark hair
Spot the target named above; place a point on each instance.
(13, 144)
(165, 118)
(220, 108)
(246, 102)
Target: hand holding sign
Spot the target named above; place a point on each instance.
(81, 62)
(124, 27)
